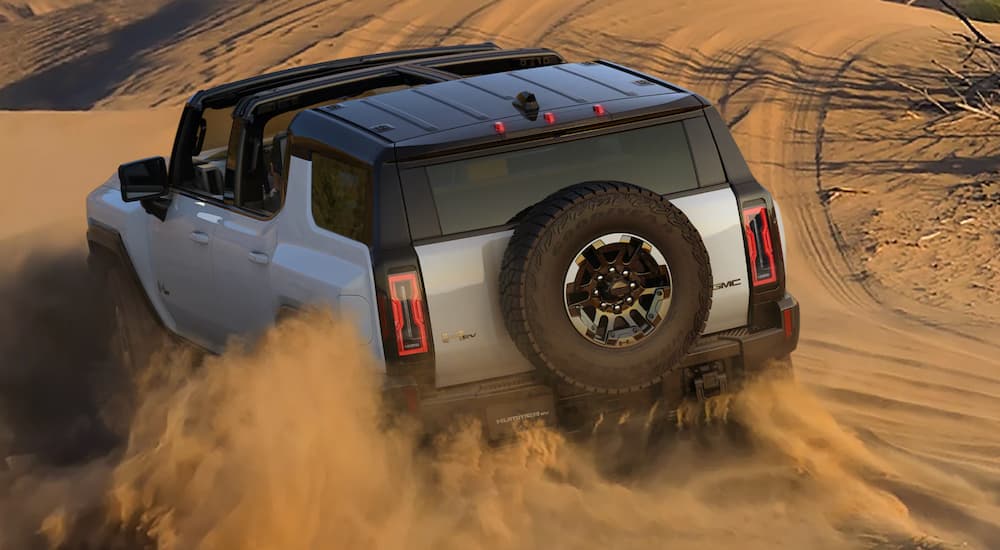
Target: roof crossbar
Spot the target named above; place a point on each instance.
(228, 94)
(490, 62)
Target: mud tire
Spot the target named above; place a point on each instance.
(532, 285)
(136, 338)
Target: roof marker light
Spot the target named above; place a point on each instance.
(599, 110)
(549, 118)
(499, 127)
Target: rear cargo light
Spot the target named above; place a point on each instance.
(407, 314)
(759, 246)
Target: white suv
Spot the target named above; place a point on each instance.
(516, 236)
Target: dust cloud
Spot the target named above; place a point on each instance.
(283, 444)
(53, 342)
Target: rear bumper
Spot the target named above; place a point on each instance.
(752, 349)
(500, 404)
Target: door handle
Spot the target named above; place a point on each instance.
(199, 237)
(258, 258)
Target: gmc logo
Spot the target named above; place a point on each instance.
(727, 284)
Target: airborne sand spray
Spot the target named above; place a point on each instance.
(282, 445)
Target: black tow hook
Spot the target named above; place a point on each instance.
(707, 380)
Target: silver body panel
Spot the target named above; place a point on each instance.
(461, 278)
(716, 215)
(234, 277)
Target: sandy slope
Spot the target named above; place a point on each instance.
(803, 85)
(12, 11)
(50, 155)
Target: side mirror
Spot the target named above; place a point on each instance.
(143, 179)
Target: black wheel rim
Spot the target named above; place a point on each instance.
(617, 290)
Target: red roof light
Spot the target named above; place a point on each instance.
(599, 110)
(549, 118)
(499, 127)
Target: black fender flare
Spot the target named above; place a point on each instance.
(107, 251)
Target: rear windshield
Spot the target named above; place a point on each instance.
(490, 191)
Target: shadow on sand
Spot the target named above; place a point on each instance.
(82, 82)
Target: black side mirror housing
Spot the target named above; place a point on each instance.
(143, 179)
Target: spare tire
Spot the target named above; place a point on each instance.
(606, 286)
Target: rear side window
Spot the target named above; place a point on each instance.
(706, 154)
(342, 196)
(490, 191)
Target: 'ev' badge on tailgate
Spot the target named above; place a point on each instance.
(458, 336)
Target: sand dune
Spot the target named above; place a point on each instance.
(12, 11)
(900, 336)
(48, 155)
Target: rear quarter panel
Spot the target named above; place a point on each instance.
(716, 215)
(315, 267)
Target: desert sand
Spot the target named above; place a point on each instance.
(898, 432)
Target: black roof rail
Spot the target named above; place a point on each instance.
(425, 71)
(228, 94)
(497, 61)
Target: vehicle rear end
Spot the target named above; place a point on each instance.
(502, 166)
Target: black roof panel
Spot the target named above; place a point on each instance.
(417, 114)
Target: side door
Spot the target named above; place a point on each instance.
(181, 254)
(241, 261)
(245, 244)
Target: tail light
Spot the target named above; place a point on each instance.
(760, 246)
(408, 314)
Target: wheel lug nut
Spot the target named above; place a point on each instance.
(629, 299)
(596, 292)
(631, 285)
(612, 270)
(600, 277)
(618, 308)
(625, 273)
